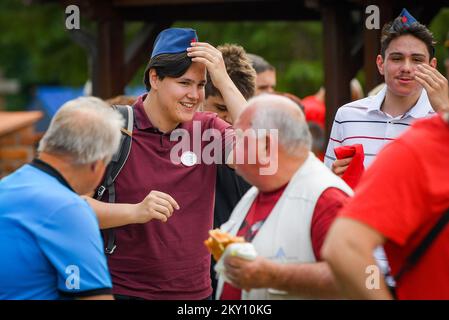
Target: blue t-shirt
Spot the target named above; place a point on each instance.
(50, 243)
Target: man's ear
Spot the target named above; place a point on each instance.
(96, 166)
(269, 162)
(273, 144)
(154, 79)
(433, 62)
(380, 64)
(269, 146)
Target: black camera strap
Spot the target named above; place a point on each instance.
(419, 251)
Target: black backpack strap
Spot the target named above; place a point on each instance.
(115, 166)
(419, 251)
(120, 157)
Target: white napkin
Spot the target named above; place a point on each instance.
(243, 250)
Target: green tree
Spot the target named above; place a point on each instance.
(36, 49)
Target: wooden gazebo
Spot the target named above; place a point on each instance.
(348, 44)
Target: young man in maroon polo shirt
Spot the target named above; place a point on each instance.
(163, 208)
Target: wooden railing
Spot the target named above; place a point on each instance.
(18, 139)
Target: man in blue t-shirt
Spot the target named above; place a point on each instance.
(50, 244)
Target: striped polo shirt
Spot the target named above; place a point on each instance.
(363, 122)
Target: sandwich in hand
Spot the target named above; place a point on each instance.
(218, 241)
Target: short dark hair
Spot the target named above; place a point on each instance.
(396, 28)
(239, 69)
(171, 65)
(259, 63)
(318, 137)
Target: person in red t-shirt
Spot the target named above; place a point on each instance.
(400, 198)
(287, 214)
(314, 107)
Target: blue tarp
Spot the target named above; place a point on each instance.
(50, 98)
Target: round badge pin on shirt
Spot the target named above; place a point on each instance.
(188, 158)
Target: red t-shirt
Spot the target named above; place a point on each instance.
(159, 260)
(402, 195)
(327, 206)
(314, 110)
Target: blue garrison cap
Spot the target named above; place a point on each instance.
(405, 19)
(173, 40)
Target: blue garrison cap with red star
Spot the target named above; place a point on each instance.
(406, 19)
(173, 40)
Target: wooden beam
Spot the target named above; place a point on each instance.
(127, 3)
(337, 75)
(108, 67)
(139, 50)
(356, 55)
(370, 52)
(12, 121)
(255, 11)
(88, 42)
(372, 45)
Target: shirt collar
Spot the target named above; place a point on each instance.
(141, 119)
(377, 100)
(48, 169)
(421, 109)
(143, 122)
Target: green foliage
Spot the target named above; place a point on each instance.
(440, 29)
(35, 47)
(294, 48)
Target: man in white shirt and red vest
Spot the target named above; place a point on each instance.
(288, 211)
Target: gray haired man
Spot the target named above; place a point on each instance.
(50, 244)
(287, 213)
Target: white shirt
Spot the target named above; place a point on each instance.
(363, 122)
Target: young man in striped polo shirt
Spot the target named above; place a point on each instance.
(375, 121)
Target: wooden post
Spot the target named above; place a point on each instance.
(108, 64)
(139, 51)
(372, 45)
(337, 58)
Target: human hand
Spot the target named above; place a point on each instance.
(156, 205)
(248, 274)
(436, 86)
(339, 166)
(212, 58)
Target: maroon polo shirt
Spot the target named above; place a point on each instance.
(159, 260)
